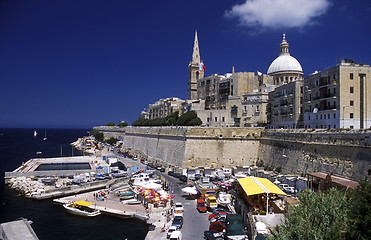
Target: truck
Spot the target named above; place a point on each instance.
(211, 202)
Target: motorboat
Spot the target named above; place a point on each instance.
(82, 208)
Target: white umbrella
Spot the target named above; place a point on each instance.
(190, 190)
(152, 185)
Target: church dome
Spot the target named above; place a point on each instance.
(285, 62)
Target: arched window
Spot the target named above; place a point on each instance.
(197, 75)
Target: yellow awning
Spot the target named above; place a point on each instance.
(256, 185)
(83, 203)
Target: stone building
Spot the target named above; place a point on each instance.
(233, 99)
(338, 97)
(285, 101)
(163, 108)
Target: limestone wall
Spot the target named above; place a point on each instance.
(188, 147)
(114, 131)
(346, 153)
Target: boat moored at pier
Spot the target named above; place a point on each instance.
(82, 208)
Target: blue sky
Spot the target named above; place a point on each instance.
(75, 63)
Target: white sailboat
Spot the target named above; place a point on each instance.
(45, 138)
(34, 133)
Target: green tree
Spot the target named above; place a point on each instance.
(195, 122)
(122, 124)
(112, 141)
(98, 135)
(360, 212)
(110, 124)
(320, 216)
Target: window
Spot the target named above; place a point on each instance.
(334, 115)
(351, 115)
(351, 103)
(351, 76)
(223, 119)
(351, 89)
(328, 116)
(216, 119)
(208, 119)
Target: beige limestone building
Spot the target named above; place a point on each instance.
(163, 108)
(334, 98)
(339, 97)
(285, 101)
(235, 99)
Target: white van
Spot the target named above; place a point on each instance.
(176, 235)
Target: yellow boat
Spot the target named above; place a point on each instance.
(82, 208)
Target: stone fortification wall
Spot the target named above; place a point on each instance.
(189, 147)
(344, 153)
(221, 147)
(165, 146)
(112, 131)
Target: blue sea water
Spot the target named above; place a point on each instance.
(51, 222)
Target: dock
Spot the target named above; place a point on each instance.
(17, 230)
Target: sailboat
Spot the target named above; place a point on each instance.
(45, 138)
(34, 133)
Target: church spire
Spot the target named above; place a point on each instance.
(196, 52)
(284, 46)
(196, 70)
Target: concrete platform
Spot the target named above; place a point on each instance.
(17, 230)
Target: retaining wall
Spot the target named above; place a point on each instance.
(345, 153)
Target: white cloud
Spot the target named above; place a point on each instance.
(278, 14)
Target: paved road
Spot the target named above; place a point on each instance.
(195, 223)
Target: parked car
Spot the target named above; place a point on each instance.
(178, 207)
(219, 214)
(176, 235)
(177, 222)
(218, 226)
(170, 173)
(213, 235)
(183, 178)
(220, 209)
(201, 205)
(286, 188)
(176, 175)
(170, 230)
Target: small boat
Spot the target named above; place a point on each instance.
(82, 208)
(49, 180)
(131, 202)
(45, 138)
(38, 153)
(34, 133)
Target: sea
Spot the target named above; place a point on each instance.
(52, 222)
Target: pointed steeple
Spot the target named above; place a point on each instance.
(284, 46)
(196, 59)
(196, 70)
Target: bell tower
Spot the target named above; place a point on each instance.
(196, 71)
